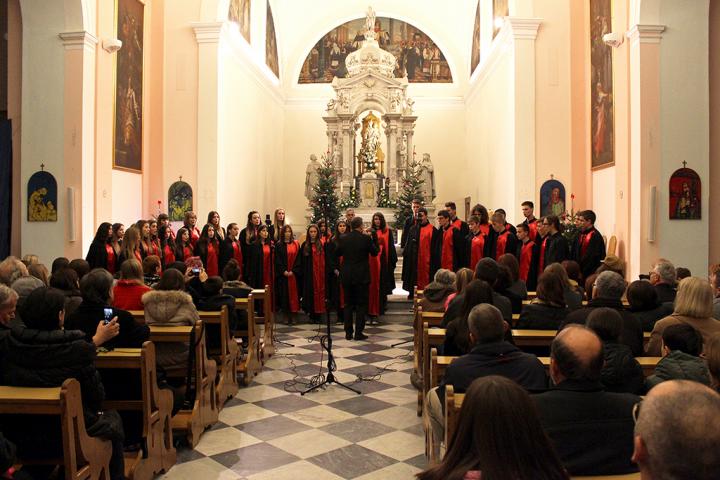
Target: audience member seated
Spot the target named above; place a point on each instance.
(712, 357)
(58, 264)
(170, 305)
(572, 269)
(66, 280)
(547, 311)
(462, 278)
(11, 269)
(457, 335)
(486, 443)
(681, 349)
(39, 271)
(30, 259)
(81, 267)
(592, 430)
(612, 263)
(693, 306)
(24, 285)
(644, 304)
(128, 291)
(517, 286)
(233, 285)
(620, 372)
(151, 269)
(8, 304)
(502, 286)
(571, 291)
(436, 292)
(663, 277)
(714, 277)
(677, 434)
(213, 299)
(490, 354)
(608, 292)
(487, 270)
(682, 272)
(96, 291)
(45, 355)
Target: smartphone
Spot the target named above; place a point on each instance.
(268, 222)
(108, 315)
(196, 272)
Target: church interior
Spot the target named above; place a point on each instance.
(119, 110)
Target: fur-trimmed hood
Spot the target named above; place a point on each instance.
(169, 306)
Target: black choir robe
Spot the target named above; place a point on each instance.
(409, 223)
(227, 252)
(254, 274)
(462, 226)
(449, 250)
(388, 261)
(510, 228)
(527, 255)
(333, 284)
(282, 290)
(491, 244)
(97, 257)
(310, 304)
(556, 250)
(245, 247)
(588, 250)
(411, 254)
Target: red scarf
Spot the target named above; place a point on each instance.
(457, 223)
(237, 254)
(194, 235)
(212, 260)
(446, 258)
(292, 252)
(110, 258)
(541, 261)
(267, 265)
(501, 244)
(187, 252)
(155, 247)
(138, 255)
(485, 229)
(318, 263)
(532, 229)
(477, 247)
(383, 243)
(374, 288)
(585, 241)
(525, 258)
(423, 256)
(168, 255)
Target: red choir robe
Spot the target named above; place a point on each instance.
(211, 264)
(499, 244)
(475, 248)
(451, 249)
(588, 250)
(287, 292)
(485, 229)
(424, 255)
(314, 279)
(194, 235)
(111, 258)
(374, 287)
(528, 264)
(541, 255)
(155, 248)
(168, 255)
(532, 228)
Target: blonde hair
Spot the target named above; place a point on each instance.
(712, 356)
(30, 259)
(462, 278)
(694, 298)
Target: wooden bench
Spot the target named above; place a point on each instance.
(204, 410)
(225, 352)
(250, 364)
(84, 457)
(543, 338)
(427, 319)
(267, 319)
(155, 405)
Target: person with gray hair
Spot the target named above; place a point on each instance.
(592, 429)
(490, 354)
(663, 277)
(11, 269)
(437, 291)
(677, 432)
(607, 293)
(8, 303)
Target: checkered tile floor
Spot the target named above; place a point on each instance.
(266, 432)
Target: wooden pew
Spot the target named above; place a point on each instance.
(226, 356)
(267, 319)
(250, 364)
(420, 352)
(543, 338)
(204, 411)
(84, 457)
(154, 403)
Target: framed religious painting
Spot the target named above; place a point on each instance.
(552, 198)
(602, 116)
(128, 121)
(685, 194)
(475, 49)
(42, 197)
(180, 200)
(501, 9)
(271, 51)
(239, 12)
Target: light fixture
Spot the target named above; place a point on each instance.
(111, 45)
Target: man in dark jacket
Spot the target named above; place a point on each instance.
(356, 247)
(663, 278)
(589, 247)
(554, 247)
(490, 355)
(592, 430)
(487, 269)
(608, 291)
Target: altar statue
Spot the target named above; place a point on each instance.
(311, 177)
(428, 178)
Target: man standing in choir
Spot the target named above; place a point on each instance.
(474, 242)
(410, 221)
(500, 240)
(554, 248)
(349, 215)
(417, 268)
(589, 247)
(528, 209)
(450, 244)
(508, 226)
(356, 248)
(527, 256)
(455, 221)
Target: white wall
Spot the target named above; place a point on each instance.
(603, 200)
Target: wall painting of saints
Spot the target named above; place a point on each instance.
(128, 132)
(685, 194)
(239, 12)
(417, 56)
(552, 198)
(42, 198)
(475, 52)
(500, 11)
(271, 51)
(180, 200)
(602, 138)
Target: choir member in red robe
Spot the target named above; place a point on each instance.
(208, 249)
(474, 243)
(231, 248)
(388, 257)
(527, 257)
(450, 244)
(155, 248)
(418, 255)
(164, 221)
(278, 223)
(336, 296)
(167, 246)
(325, 233)
(288, 267)
(101, 253)
(260, 260)
(482, 213)
(143, 227)
(589, 247)
(530, 221)
(500, 240)
(508, 226)
(248, 235)
(214, 220)
(451, 208)
(183, 247)
(117, 238)
(313, 274)
(190, 222)
(130, 246)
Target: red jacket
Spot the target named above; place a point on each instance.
(127, 295)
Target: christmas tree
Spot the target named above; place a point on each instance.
(411, 189)
(325, 201)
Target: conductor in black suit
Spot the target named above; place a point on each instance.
(356, 247)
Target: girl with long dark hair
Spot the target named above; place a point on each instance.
(101, 253)
(143, 227)
(259, 271)
(457, 336)
(190, 223)
(278, 224)
(131, 246)
(324, 232)
(336, 297)
(214, 220)
(167, 246)
(248, 235)
(118, 232)
(231, 247)
(313, 274)
(155, 248)
(183, 246)
(387, 256)
(208, 249)
(288, 267)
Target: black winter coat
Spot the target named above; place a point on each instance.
(541, 316)
(621, 372)
(88, 315)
